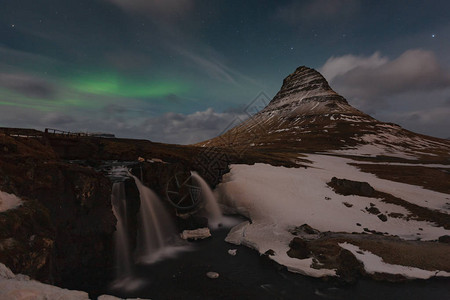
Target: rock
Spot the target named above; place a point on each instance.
(232, 252)
(269, 252)
(304, 229)
(200, 233)
(444, 239)
(396, 215)
(212, 275)
(382, 217)
(27, 239)
(299, 249)
(67, 208)
(350, 269)
(349, 187)
(373, 210)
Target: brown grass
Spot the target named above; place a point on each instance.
(436, 179)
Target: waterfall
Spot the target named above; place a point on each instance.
(212, 208)
(157, 230)
(122, 250)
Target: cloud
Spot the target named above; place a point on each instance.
(433, 121)
(190, 128)
(411, 90)
(57, 119)
(173, 98)
(114, 109)
(12, 58)
(211, 63)
(306, 11)
(370, 81)
(167, 128)
(155, 7)
(336, 66)
(28, 85)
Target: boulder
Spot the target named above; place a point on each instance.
(349, 187)
(299, 249)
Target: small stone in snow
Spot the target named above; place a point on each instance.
(382, 217)
(212, 275)
(269, 252)
(232, 252)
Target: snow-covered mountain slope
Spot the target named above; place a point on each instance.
(307, 115)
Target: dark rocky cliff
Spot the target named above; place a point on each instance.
(63, 232)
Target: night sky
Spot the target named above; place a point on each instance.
(180, 71)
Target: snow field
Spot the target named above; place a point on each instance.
(279, 198)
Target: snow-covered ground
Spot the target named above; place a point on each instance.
(8, 201)
(21, 287)
(375, 264)
(279, 198)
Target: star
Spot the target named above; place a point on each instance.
(13, 25)
(292, 48)
(433, 35)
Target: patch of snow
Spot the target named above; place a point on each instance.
(212, 275)
(281, 130)
(232, 252)
(263, 237)
(9, 201)
(200, 233)
(21, 287)
(375, 264)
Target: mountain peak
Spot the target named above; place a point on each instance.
(307, 91)
(307, 115)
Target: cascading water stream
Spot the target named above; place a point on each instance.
(156, 226)
(214, 213)
(122, 250)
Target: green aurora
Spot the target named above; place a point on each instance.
(111, 84)
(93, 91)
